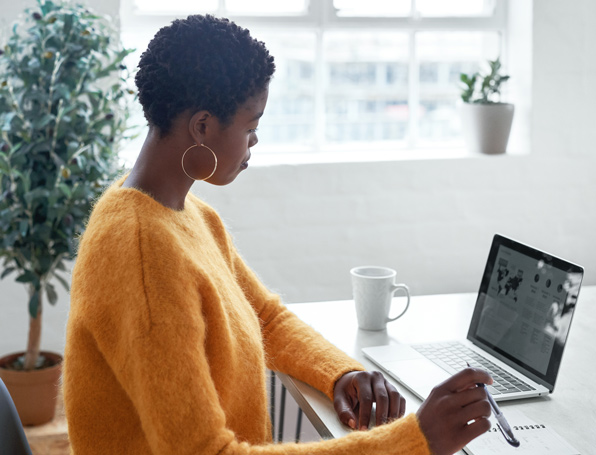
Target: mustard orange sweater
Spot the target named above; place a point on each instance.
(169, 335)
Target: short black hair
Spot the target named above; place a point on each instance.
(200, 63)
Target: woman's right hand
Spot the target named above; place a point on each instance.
(445, 415)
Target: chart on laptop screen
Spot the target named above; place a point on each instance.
(527, 310)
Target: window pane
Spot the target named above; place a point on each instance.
(366, 86)
(380, 8)
(175, 6)
(443, 56)
(455, 7)
(289, 115)
(266, 7)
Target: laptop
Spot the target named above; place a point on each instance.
(518, 330)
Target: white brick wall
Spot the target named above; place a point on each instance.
(431, 220)
(303, 227)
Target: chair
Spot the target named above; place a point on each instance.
(282, 412)
(12, 436)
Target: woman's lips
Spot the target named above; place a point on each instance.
(245, 164)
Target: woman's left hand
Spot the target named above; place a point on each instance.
(354, 394)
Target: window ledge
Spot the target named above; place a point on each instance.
(299, 158)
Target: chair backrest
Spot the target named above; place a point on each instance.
(12, 436)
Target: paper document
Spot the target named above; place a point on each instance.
(534, 438)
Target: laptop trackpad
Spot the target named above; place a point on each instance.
(418, 375)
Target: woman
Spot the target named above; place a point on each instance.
(170, 332)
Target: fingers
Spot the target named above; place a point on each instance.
(397, 403)
(469, 402)
(346, 415)
(355, 393)
(456, 411)
(389, 403)
(344, 407)
(381, 397)
(477, 410)
(473, 430)
(470, 396)
(465, 379)
(365, 399)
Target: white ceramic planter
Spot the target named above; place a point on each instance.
(486, 127)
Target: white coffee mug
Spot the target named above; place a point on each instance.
(374, 288)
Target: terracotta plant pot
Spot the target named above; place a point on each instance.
(34, 392)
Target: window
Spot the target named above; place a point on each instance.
(380, 74)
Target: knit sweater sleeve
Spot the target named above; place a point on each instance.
(292, 346)
(136, 312)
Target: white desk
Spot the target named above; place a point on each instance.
(570, 409)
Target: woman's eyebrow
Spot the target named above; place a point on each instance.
(257, 117)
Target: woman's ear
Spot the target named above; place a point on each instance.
(197, 126)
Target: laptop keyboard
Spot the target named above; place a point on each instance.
(452, 357)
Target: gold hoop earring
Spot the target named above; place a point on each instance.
(214, 167)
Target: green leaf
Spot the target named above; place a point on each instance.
(4, 166)
(60, 233)
(7, 271)
(43, 232)
(37, 194)
(26, 252)
(33, 63)
(51, 293)
(23, 227)
(485, 91)
(62, 91)
(27, 277)
(68, 21)
(39, 197)
(26, 181)
(44, 264)
(34, 304)
(65, 189)
(15, 148)
(114, 65)
(46, 6)
(16, 173)
(6, 126)
(43, 121)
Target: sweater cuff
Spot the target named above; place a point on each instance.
(400, 437)
(354, 367)
(412, 439)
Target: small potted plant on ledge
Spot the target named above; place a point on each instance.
(62, 114)
(486, 121)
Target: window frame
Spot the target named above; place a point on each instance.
(320, 16)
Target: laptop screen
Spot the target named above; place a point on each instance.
(524, 308)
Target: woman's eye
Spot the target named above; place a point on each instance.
(254, 130)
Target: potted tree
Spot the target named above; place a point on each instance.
(486, 121)
(62, 114)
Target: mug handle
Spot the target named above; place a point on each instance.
(394, 289)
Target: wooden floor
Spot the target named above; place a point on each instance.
(51, 438)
